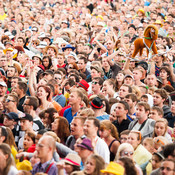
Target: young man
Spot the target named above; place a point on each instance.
(82, 62)
(156, 113)
(142, 123)
(124, 90)
(122, 121)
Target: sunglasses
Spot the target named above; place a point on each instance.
(8, 100)
(126, 153)
(94, 82)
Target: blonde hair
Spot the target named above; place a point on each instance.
(52, 134)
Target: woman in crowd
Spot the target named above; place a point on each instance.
(47, 62)
(160, 129)
(6, 160)
(119, 80)
(43, 93)
(61, 127)
(109, 133)
(94, 164)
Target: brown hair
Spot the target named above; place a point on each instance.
(145, 105)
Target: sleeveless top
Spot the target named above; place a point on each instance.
(112, 155)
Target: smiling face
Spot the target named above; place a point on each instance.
(41, 93)
(160, 129)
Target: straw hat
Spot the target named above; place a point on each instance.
(158, 22)
(73, 159)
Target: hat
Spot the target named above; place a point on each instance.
(160, 154)
(100, 24)
(98, 69)
(129, 76)
(24, 165)
(67, 47)
(86, 143)
(2, 83)
(12, 116)
(27, 117)
(73, 159)
(8, 49)
(52, 46)
(83, 84)
(8, 42)
(97, 103)
(38, 56)
(66, 22)
(72, 54)
(35, 29)
(128, 16)
(48, 72)
(142, 11)
(158, 22)
(42, 44)
(143, 64)
(9, 34)
(133, 26)
(114, 168)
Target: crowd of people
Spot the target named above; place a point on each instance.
(73, 100)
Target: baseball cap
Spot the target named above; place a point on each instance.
(2, 83)
(12, 116)
(27, 117)
(129, 76)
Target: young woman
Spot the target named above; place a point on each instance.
(43, 93)
(6, 160)
(109, 133)
(47, 62)
(61, 127)
(119, 80)
(160, 129)
(93, 165)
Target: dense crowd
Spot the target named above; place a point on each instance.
(73, 98)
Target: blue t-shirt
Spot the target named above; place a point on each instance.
(103, 117)
(68, 114)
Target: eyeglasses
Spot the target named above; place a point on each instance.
(94, 82)
(8, 100)
(123, 61)
(26, 104)
(126, 153)
(167, 168)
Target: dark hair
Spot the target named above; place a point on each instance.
(158, 109)
(125, 104)
(169, 150)
(22, 85)
(33, 101)
(132, 96)
(4, 132)
(145, 105)
(50, 61)
(129, 88)
(96, 122)
(165, 68)
(162, 93)
(84, 59)
(31, 135)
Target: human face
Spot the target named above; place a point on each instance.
(123, 91)
(58, 78)
(81, 64)
(151, 80)
(94, 73)
(167, 167)
(3, 62)
(60, 59)
(105, 63)
(41, 93)
(157, 99)
(173, 107)
(128, 152)
(8, 122)
(155, 162)
(68, 168)
(104, 133)
(109, 45)
(3, 159)
(36, 61)
(76, 127)
(160, 129)
(137, 75)
(133, 140)
(129, 101)
(119, 77)
(113, 116)
(123, 138)
(90, 166)
(140, 112)
(25, 124)
(73, 98)
(163, 74)
(16, 89)
(46, 62)
(27, 143)
(89, 128)
(10, 72)
(154, 115)
(9, 102)
(26, 106)
(14, 82)
(106, 86)
(129, 81)
(120, 110)
(2, 90)
(55, 125)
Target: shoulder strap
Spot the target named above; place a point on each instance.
(48, 167)
(142, 125)
(111, 143)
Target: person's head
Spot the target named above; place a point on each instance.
(11, 101)
(160, 142)
(96, 72)
(157, 158)
(167, 167)
(76, 96)
(45, 148)
(10, 119)
(156, 113)
(11, 71)
(3, 134)
(91, 126)
(29, 140)
(87, 112)
(129, 80)
(160, 127)
(31, 103)
(46, 62)
(20, 88)
(125, 150)
(76, 126)
(124, 90)
(3, 88)
(159, 96)
(151, 80)
(169, 151)
(142, 110)
(135, 138)
(82, 63)
(26, 122)
(165, 73)
(94, 164)
(43, 92)
(108, 85)
(131, 99)
(14, 81)
(110, 45)
(121, 109)
(61, 127)
(124, 136)
(137, 73)
(97, 83)
(107, 129)
(148, 143)
(6, 160)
